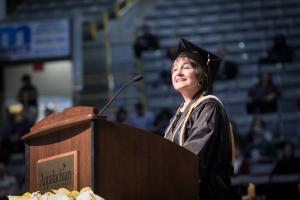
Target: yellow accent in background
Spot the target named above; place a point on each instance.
(93, 29)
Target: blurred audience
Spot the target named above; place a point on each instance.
(27, 94)
(28, 97)
(227, 69)
(145, 41)
(141, 118)
(259, 142)
(121, 115)
(241, 165)
(8, 183)
(279, 52)
(19, 123)
(258, 125)
(289, 163)
(263, 96)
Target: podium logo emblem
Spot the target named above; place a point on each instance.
(59, 171)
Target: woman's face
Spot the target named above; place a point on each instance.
(185, 77)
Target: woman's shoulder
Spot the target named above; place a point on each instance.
(207, 105)
(208, 100)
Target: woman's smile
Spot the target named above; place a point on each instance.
(180, 79)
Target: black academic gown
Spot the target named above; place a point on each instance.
(207, 134)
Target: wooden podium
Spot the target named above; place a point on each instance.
(77, 148)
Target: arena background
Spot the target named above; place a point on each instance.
(79, 52)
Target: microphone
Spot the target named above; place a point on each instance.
(135, 79)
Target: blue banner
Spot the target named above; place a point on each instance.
(35, 40)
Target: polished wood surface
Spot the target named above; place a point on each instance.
(117, 161)
(70, 139)
(59, 133)
(135, 164)
(58, 121)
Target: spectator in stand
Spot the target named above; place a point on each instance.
(19, 124)
(144, 42)
(28, 97)
(8, 183)
(27, 94)
(262, 97)
(259, 125)
(279, 52)
(121, 115)
(141, 118)
(241, 165)
(289, 163)
(259, 148)
(227, 69)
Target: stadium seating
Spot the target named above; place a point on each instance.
(245, 29)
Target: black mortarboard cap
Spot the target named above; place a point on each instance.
(205, 58)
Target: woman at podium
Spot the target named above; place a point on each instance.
(200, 123)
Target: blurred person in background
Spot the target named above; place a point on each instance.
(27, 94)
(121, 115)
(279, 52)
(289, 163)
(18, 124)
(141, 118)
(8, 183)
(259, 142)
(200, 124)
(145, 41)
(227, 69)
(241, 164)
(259, 125)
(28, 97)
(263, 96)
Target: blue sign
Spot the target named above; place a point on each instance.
(35, 40)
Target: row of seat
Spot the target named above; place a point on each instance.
(44, 5)
(242, 32)
(245, 9)
(233, 92)
(63, 8)
(219, 4)
(229, 32)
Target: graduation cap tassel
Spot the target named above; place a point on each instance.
(209, 81)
